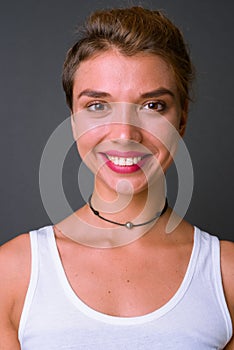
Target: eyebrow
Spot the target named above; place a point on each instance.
(157, 93)
(93, 93)
(150, 94)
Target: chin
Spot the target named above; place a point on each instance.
(130, 184)
(124, 186)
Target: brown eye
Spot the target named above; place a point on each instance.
(156, 106)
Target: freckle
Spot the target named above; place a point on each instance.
(128, 281)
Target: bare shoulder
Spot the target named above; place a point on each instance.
(227, 262)
(14, 255)
(15, 266)
(227, 268)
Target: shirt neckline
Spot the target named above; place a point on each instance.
(90, 312)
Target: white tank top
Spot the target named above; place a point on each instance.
(54, 318)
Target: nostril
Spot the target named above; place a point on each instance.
(126, 132)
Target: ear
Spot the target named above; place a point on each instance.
(183, 119)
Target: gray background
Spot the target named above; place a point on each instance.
(34, 38)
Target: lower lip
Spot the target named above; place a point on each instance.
(125, 169)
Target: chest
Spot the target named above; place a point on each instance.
(127, 285)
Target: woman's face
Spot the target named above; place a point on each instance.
(126, 115)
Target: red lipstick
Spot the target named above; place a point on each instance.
(125, 162)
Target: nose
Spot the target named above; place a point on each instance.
(123, 133)
(125, 124)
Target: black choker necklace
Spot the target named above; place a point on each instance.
(129, 224)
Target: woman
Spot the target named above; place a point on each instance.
(111, 275)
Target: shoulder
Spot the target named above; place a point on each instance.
(15, 258)
(15, 266)
(227, 268)
(14, 254)
(227, 261)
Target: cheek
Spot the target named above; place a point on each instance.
(84, 145)
(163, 135)
(88, 140)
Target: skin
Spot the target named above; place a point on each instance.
(121, 86)
(140, 285)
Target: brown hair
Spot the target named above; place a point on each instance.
(131, 31)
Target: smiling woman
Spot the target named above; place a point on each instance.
(110, 275)
(134, 102)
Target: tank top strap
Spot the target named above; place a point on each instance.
(209, 267)
(38, 242)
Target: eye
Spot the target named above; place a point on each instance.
(97, 107)
(158, 106)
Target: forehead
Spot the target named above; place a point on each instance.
(112, 72)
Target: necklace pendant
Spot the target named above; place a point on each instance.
(129, 225)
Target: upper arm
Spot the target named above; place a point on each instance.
(227, 267)
(14, 279)
(9, 339)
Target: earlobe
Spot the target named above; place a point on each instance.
(182, 126)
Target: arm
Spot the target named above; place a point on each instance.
(227, 267)
(230, 345)
(14, 279)
(8, 339)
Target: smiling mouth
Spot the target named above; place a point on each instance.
(122, 161)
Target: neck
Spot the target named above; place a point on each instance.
(122, 206)
(86, 228)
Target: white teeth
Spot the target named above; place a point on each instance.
(136, 160)
(115, 160)
(124, 161)
(129, 161)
